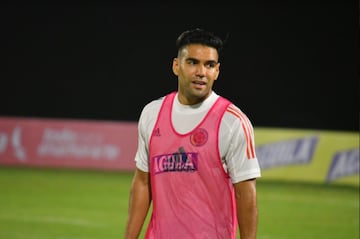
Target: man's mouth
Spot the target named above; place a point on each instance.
(199, 83)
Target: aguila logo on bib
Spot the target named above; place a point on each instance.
(199, 137)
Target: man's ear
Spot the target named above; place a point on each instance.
(175, 66)
(217, 70)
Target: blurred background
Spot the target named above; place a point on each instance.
(286, 64)
(75, 76)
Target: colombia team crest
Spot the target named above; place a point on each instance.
(199, 137)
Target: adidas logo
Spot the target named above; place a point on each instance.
(156, 132)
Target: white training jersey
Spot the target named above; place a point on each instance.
(236, 138)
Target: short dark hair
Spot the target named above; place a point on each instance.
(199, 36)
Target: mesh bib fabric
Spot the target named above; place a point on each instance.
(192, 195)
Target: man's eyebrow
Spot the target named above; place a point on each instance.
(197, 60)
(191, 59)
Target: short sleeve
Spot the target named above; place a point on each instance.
(146, 124)
(237, 145)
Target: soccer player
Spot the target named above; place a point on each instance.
(195, 163)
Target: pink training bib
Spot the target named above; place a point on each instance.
(192, 195)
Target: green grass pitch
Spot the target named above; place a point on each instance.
(83, 204)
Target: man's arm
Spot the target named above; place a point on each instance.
(139, 204)
(247, 210)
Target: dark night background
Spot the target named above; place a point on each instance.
(286, 64)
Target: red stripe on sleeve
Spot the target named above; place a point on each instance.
(248, 130)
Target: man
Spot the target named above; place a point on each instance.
(196, 160)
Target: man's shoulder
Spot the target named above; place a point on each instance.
(153, 106)
(234, 113)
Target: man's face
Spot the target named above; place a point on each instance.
(197, 68)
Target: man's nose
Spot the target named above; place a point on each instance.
(200, 70)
